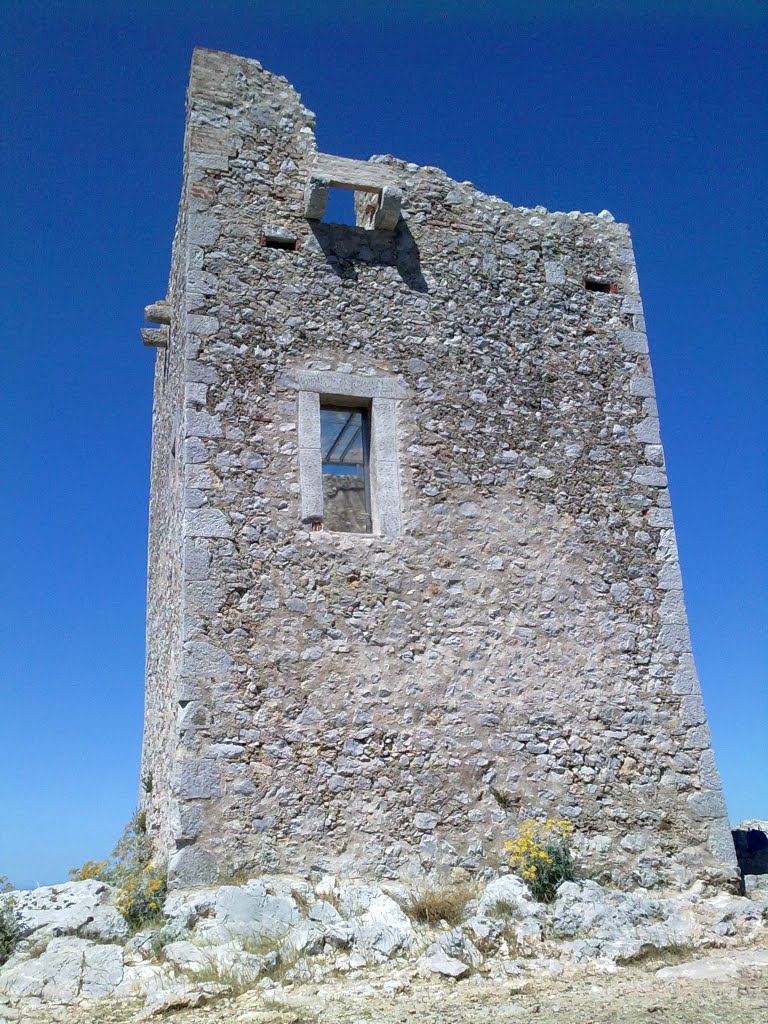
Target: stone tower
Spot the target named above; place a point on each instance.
(412, 565)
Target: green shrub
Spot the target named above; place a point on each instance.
(140, 885)
(541, 854)
(10, 924)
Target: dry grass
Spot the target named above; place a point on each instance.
(669, 955)
(442, 903)
(236, 876)
(301, 901)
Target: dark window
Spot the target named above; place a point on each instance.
(344, 439)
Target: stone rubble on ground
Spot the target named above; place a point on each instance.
(717, 968)
(278, 931)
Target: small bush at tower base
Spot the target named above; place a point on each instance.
(541, 855)
(140, 885)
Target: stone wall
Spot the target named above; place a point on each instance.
(165, 590)
(389, 705)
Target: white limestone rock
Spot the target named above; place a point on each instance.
(187, 956)
(75, 908)
(620, 925)
(615, 925)
(70, 970)
(441, 963)
(307, 938)
(509, 895)
(228, 958)
(250, 911)
(378, 923)
(456, 946)
(185, 907)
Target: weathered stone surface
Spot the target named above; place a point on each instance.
(158, 312)
(515, 621)
(620, 926)
(250, 912)
(508, 893)
(184, 908)
(82, 908)
(457, 946)
(447, 966)
(377, 922)
(69, 970)
(296, 927)
(192, 865)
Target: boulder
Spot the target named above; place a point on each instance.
(148, 980)
(441, 963)
(621, 926)
(378, 923)
(756, 887)
(307, 938)
(228, 960)
(76, 908)
(188, 956)
(509, 896)
(69, 970)
(250, 911)
(185, 907)
(324, 913)
(616, 925)
(728, 916)
(456, 946)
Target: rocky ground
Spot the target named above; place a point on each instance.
(287, 951)
(635, 994)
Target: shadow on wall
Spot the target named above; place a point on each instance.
(751, 850)
(345, 245)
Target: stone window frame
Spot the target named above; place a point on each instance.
(380, 396)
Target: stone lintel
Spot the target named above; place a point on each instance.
(357, 175)
(345, 385)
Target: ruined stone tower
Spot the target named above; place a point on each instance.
(412, 566)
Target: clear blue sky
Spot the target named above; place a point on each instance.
(658, 115)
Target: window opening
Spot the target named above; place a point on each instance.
(596, 284)
(340, 208)
(345, 445)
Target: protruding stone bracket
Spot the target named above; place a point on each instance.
(378, 210)
(158, 312)
(155, 337)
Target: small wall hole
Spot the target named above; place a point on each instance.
(275, 242)
(596, 284)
